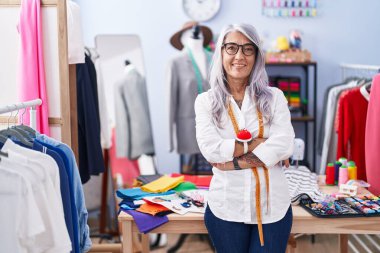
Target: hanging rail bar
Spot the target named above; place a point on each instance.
(22, 105)
(359, 66)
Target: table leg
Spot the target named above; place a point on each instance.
(145, 243)
(343, 243)
(126, 227)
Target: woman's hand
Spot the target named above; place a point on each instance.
(286, 163)
(224, 166)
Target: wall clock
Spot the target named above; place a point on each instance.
(201, 10)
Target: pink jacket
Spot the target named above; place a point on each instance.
(32, 70)
(372, 137)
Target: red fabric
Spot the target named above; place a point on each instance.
(372, 137)
(197, 180)
(129, 169)
(351, 121)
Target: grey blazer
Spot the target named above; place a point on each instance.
(133, 126)
(183, 90)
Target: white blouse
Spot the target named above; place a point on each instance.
(232, 193)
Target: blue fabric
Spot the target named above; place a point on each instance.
(65, 186)
(129, 203)
(146, 222)
(69, 159)
(126, 207)
(236, 237)
(136, 194)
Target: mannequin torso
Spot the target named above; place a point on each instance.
(196, 48)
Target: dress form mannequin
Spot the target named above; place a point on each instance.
(193, 40)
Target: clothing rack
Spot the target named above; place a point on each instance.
(24, 105)
(364, 70)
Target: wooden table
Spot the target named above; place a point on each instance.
(303, 222)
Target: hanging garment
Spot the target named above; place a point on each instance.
(128, 169)
(350, 125)
(67, 194)
(183, 89)
(134, 135)
(217, 146)
(32, 69)
(321, 134)
(21, 219)
(90, 151)
(55, 238)
(75, 43)
(372, 137)
(329, 145)
(105, 129)
(68, 157)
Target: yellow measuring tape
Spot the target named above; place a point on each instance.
(255, 173)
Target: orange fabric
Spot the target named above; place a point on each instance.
(151, 208)
(255, 173)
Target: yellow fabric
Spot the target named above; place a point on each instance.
(163, 184)
(255, 173)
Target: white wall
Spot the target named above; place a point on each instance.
(345, 31)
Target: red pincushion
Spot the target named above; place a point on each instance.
(244, 135)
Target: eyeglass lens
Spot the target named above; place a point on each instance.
(233, 48)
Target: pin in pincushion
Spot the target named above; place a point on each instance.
(244, 136)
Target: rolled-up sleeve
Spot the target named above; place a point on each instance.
(280, 143)
(212, 146)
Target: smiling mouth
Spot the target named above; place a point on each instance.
(239, 65)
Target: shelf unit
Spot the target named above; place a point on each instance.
(309, 118)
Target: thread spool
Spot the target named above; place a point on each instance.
(343, 161)
(343, 175)
(336, 169)
(352, 170)
(330, 174)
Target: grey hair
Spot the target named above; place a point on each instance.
(258, 80)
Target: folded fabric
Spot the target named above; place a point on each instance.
(146, 179)
(151, 208)
(163, 184)
(296, 200)
(185, 186)
(136, 193)
(130, 204)
(302, 181)
(126, 207)
(146, 222)
(197, 180)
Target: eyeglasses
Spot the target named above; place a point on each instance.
(231, 48)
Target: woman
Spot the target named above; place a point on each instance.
(248, 202)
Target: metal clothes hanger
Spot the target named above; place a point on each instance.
(29, 132)
(9, 132)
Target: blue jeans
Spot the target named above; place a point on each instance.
(237, 237)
